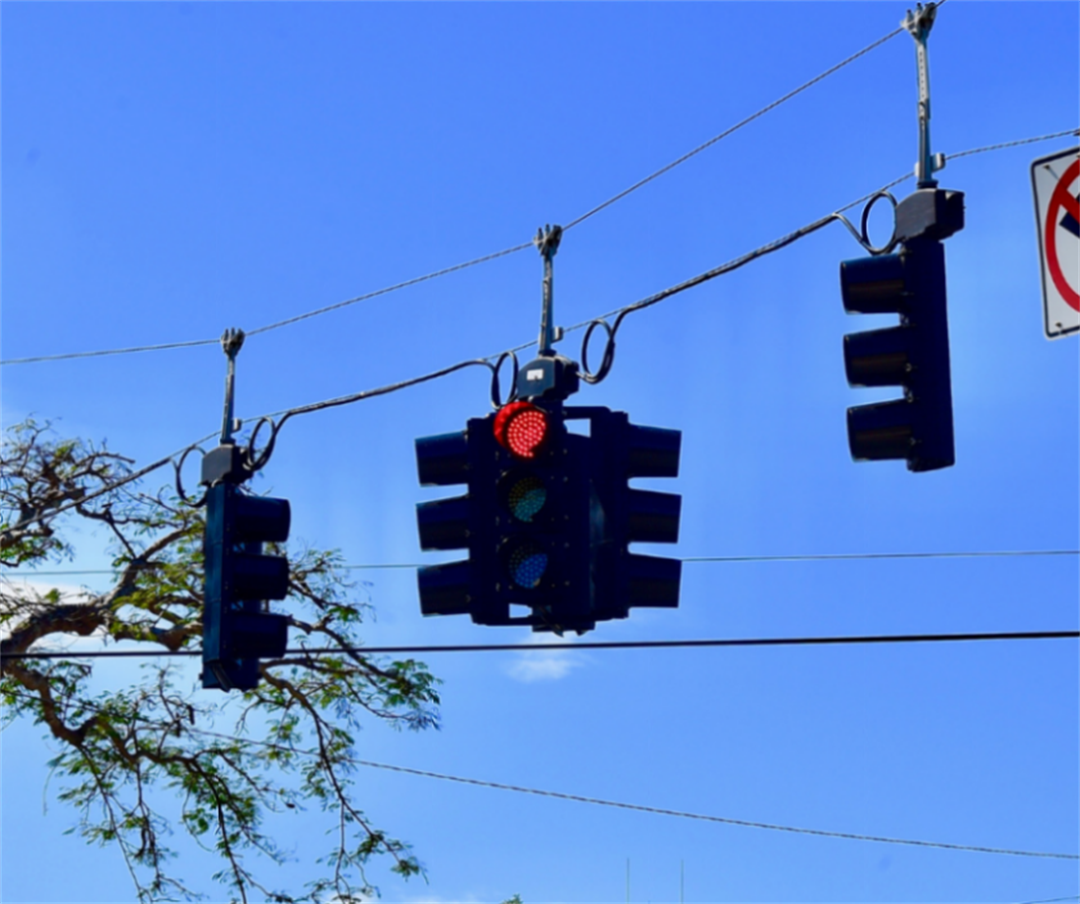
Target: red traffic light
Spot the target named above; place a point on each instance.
(521, 428)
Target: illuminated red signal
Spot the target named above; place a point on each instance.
(522, 428)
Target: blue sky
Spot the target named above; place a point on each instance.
(170, 170)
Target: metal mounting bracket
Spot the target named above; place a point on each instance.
(919, 23)
(232, 340)
(547, 243)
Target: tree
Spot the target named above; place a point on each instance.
(121, 748)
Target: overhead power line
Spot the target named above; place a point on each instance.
(1011, 144)
(694, 560)
(843, 640)
(290, 320)
(111, 351)
(520, 247)
(726, 820)
(641, 808)
(1053, 900)
(507, 251)
(799, 830)
(388, 289)
(487, 257)
(620, 313)
(749, 119)
(844, 556)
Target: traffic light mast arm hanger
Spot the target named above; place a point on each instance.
(220, 464)
(919, 23)
(226, 461)
(547, 242)
(232, 340)
(550, 375)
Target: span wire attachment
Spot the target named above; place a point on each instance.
(224, 462)
(547, 243)
(228, 463)
(232, 340)
(550, 375)
(919, 23)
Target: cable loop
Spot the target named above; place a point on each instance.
(252, 463)
(496, 389)
(861, 235)
(609, 351)
(886, 248)
(177, 466)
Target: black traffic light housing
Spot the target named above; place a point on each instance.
(914, 355)
(238, 630)
(622, 451)
(547, 524)
(524, 520)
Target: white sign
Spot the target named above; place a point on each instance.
(1056, 181)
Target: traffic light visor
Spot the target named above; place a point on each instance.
(260, 519)
(522, 428)
(881, 431)
(443, 460)
(444, 589)
(874, 285)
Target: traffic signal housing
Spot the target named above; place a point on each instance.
(622, 451)
(447, 460)
(524, 520)
(914, 355)
(548, 518)
(238, 629)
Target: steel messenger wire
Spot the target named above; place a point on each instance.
(512, 250)
(841, 640)
(487, 257)
(1053, 900)
(490, 257)
(350, 398)
(619, 313)
(694, 560)
(273, 326)
(731, 130)
(662, 811)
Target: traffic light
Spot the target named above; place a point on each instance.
(915, 355)
(446, 460)
(524, 521)
(622, 451)
(548, 518)
(237, 628)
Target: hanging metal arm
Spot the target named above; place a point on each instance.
(231, 342)
(919, 23)
(547, 242)
(551, 375)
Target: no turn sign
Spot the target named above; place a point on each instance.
(1056, 181)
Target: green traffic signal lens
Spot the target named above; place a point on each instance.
(525, 495)
(527, 563)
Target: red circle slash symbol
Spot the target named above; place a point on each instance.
(1061, 198)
